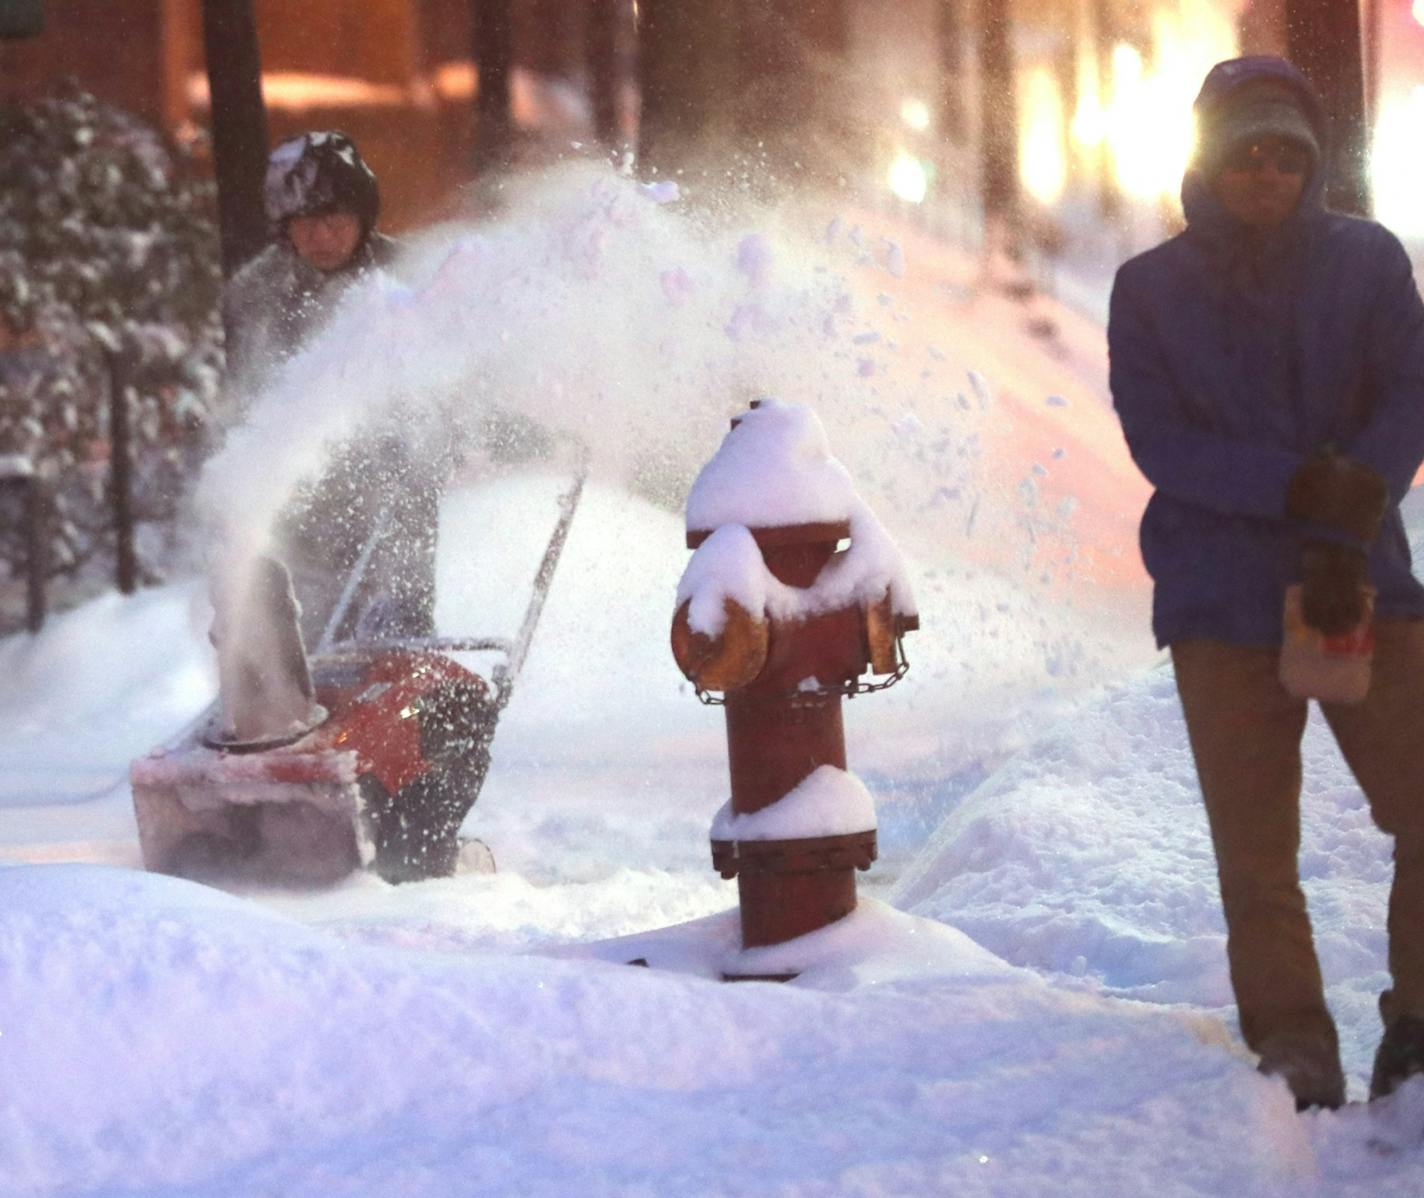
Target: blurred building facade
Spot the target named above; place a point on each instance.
(1093, 113)
(1100, 98)
(396, 74)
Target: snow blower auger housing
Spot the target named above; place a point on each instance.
(375, 754)
(383, 781)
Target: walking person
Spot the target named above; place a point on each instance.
(1267, 365)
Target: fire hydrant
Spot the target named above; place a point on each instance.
(783, 622)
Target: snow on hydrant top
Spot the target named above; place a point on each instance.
(772, 470)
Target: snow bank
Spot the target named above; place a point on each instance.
(97, 687)
(1087, 857)
(163, 1038)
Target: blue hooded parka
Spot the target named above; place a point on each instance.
(1234, 358)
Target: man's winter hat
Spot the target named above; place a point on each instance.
(1261, 102)
(320, 172)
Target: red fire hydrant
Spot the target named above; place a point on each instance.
(783, 622)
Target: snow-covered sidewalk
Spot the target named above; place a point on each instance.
(1031, 1000)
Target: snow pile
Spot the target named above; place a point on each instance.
(872, 945)
(827, 802)
(1087, 858)
(164, 1038)
(97, 688)
(1088, 854)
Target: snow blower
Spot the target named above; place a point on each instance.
(367, 755)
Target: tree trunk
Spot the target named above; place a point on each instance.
(1105, 35)
(771, 91)
(604, 19)
(953, 114)
(686, 72)
(493, 31)
(1324, 39)
(239, 127)
(121, 476)
(999, 123)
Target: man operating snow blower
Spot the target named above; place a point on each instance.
(374, 511)
(372, 751)
(1268, 369)
(322, 201)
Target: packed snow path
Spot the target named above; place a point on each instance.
(1033, 1004)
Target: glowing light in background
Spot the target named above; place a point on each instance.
(1396, 167)
(916, 113)
(1144, 120)
(1419, 11)
(908, 178)
(1043, 156)
(1146, 148)
(1090, 122)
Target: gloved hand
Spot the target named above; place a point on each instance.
(1333, 577)
(1339, 493)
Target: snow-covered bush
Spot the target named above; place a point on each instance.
(108, 268)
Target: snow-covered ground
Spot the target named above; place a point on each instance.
(1031, 999)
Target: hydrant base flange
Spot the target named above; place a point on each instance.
(812, 854)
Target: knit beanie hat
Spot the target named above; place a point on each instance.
(1262, 108)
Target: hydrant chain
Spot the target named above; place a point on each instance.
(849, 689)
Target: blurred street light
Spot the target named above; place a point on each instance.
(916, 113)
(909, 179)
(1396, 169)
(1043, 156)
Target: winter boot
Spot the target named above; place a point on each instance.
(1309, 1065)
(1400, 1055)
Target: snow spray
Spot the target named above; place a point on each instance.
(264, 683)
(637, 320)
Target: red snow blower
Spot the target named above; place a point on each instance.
(369, 754)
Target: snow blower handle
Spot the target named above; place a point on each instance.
(544, 576)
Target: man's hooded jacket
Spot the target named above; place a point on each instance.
(1234, 358)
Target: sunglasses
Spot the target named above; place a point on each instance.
(1252, 157)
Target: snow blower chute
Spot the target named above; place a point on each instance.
(368, 754)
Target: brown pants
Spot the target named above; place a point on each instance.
(1245, 734)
